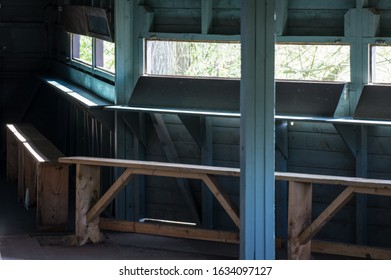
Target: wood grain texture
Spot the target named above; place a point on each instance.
(87, 193)
(170, 230)
(150, 166)
(326, 215)
(52, 197)
(299, 218)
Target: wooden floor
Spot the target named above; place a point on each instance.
(19, 239)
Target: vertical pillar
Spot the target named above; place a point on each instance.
(360, 23)
(362, 171)
(257, 240)
(281, 189)
(206, 124)
(124, 82)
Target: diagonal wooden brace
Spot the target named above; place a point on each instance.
(326, 215)
(222, 198)
(110, 194)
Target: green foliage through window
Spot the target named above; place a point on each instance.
(206, 59)
(202, 59)
(109, 56)
(381, 64)
(312, 62)
(84, 47)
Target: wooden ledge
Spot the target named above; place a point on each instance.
(334, 180)
(75, 93)
(151, 167)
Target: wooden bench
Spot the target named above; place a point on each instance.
(301, 229)
(32, 162)
(89, 205)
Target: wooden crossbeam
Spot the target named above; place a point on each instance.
(326, 215)
(222, 198)
(169, 230)
(377, 191)
(110, 194)
(351, 250)
(166, 173)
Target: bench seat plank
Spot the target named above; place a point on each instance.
(151, 165)
(333, 180)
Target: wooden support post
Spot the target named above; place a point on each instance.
(206, 124)
(257, 196)
(52, 197)
(87, 193)
(281, 186)
(127, 71)
(299, 218)
(362, 172)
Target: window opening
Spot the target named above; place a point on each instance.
(95, 53)
(194, 59)
(381, 64)
(82, 48)
(105, 55)
(312, 62)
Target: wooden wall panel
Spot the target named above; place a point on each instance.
(14, 38)
(167, 15)
(379, 235)
(316, 22)
(162, 192)
(23, 10)
(330, 4)
(380, 4)
(166, 20)
(317, 141)
(323, 159)
(224, 4)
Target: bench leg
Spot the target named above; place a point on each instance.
(299, 218)
(52, 197)
(87, 194)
